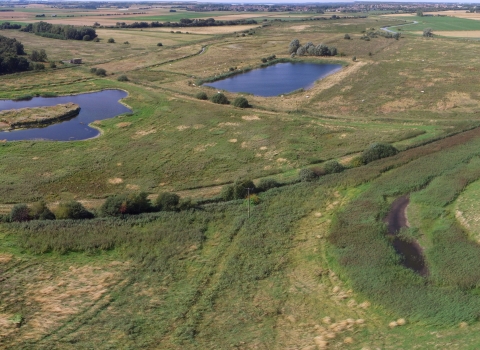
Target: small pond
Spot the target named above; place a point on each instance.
(277, 79)
(410, 252)
(94, 106)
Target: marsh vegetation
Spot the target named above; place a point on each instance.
(197, 223)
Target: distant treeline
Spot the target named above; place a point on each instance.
(10, 49)
(58, 31)
(7, 25)
(186, 22)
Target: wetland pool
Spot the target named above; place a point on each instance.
(277, 79)
(94, 106)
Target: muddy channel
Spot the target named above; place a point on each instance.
(410, 252)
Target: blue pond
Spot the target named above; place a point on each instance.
(277, 79)
(94, 106)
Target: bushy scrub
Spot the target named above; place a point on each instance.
(220, 98)
(241, 102)
(307, 175)
(122, 204)
(201, 96)
(40, 211)
(267, 184)
(332, 166)
(377, 151)
(19, 213)
(167, 201)
(238, 190)
(122, 78)
(72, 210)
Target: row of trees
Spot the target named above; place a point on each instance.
(58, 31)
(373, 152)
(295, 48)
(186, 22)
(117, 205)
(221, 99)
(7, 25)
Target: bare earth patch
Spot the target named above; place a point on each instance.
(115, 181)
(123, 124)
(250, 117)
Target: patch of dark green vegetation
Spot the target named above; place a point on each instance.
(58, 31)
(365, 254)
(10, 60)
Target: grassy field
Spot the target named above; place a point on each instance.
(440, 23)
(312, 265)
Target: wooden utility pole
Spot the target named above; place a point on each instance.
(248, 198)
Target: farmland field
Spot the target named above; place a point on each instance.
(304, 263)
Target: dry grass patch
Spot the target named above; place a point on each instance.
(250, 117)
(123, 125)
(115, 181)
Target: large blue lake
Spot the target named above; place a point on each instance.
(277, 79)
(94, 106)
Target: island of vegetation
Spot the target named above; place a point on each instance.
(37, 116)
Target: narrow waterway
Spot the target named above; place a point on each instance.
(410, 252)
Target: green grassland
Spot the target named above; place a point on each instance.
(313, 259)
(439, 23)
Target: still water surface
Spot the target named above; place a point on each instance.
(277, 79)
(94, 106)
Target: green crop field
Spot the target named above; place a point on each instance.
(439, 23)
(306, 261)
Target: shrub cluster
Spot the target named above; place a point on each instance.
(220, 98)
(295, 48)
(7, 25)
(238, 190)
(10, 62)
(241, 102)
(377, 151)
(269, 58)
(98, 71)
(58, 31)
(201, 96)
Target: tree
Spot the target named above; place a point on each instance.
(220, 98)
(294, 45)
(72, 210)
(420, 13)
(40, 211)
(35, 56)
(167, 201)
(100, 72)
(201, 96)
(20, 212)
(238, 190)
(122, 204)
(428, 32)
(307, 175)
(332, 166)
(301, 51)
(377, 151)
(241, 102)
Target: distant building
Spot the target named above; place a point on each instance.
(76, 61)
